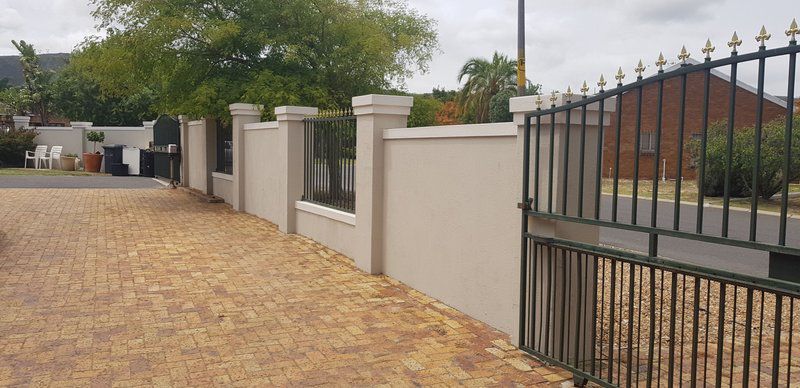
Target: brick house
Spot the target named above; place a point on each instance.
(719, 101)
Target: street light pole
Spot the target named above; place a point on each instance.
(521, 77)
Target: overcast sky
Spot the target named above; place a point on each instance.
(568, 40)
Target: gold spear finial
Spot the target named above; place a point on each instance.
(708, 49)
(568, 94)
(602, 83)
(584, 88)
(639, 69)
(735, 42)
(793, 31)
(684, 55)
(661, 62)
(539, 101)
(763, 37)
(620, 76)
(553, 98)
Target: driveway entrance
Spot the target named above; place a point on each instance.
(134, 287)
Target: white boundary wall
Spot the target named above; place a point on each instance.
(73, 138)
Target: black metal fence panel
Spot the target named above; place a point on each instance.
(622, 318)
(627, 320)
(329, 175)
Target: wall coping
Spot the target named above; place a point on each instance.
(118, 128)
(81, 123)
(382, 104)
(333, 214)
(261, 126)
(453, 131)
(296, 110)
(222, 175)
(242, 109)
(53, 128)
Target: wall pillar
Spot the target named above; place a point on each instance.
(211, 153)
(290, 154)
(242, 114)
(374, 114)
(561, 229)
(185, 152)
(81, 128)
(148, 132)
(21, 122)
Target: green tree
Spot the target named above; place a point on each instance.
(199, 56)
(17, 101)
(37, 81)
(484, 79)
(772, 154)
(423, 113)
(499, 111)
(78, 97)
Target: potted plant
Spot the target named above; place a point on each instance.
(68, 162)
(92, 161)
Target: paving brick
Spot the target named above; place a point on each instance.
(152, 287)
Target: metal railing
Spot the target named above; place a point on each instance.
(632, 320)
(330, 160)
(620, 318)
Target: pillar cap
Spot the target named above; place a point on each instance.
(382, 104)
(148, 123)
(294, 113)
(519, 106)
(242, 109)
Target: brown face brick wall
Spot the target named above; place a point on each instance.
(718, 111)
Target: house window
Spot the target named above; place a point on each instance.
(648, 143)
(224, 148)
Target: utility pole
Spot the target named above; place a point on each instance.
(521, 77)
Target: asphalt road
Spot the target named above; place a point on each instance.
(77, 182)
(725, 257)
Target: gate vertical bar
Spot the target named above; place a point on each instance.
(526, 155)
(787, 152)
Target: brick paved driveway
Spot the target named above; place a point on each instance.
(152, 287)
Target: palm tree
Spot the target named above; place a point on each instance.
(484, 79)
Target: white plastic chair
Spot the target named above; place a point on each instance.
(54, 154)
(36, 155)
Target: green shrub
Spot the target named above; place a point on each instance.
(772, 155)
(499, 111)
(96, 137)
(423, 113)
(13, 145)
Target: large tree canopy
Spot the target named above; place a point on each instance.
(198, 56)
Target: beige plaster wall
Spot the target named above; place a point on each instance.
(222, 188)
(198, 172)
(262, 175)
(334, 234)
(451, 226)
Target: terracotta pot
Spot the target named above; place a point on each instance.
(68, 163)
(92, 162)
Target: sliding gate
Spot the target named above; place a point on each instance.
(621, 317)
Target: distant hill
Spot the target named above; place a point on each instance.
(11, 69)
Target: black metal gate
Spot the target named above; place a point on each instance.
(618, 317)
(166, 131)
